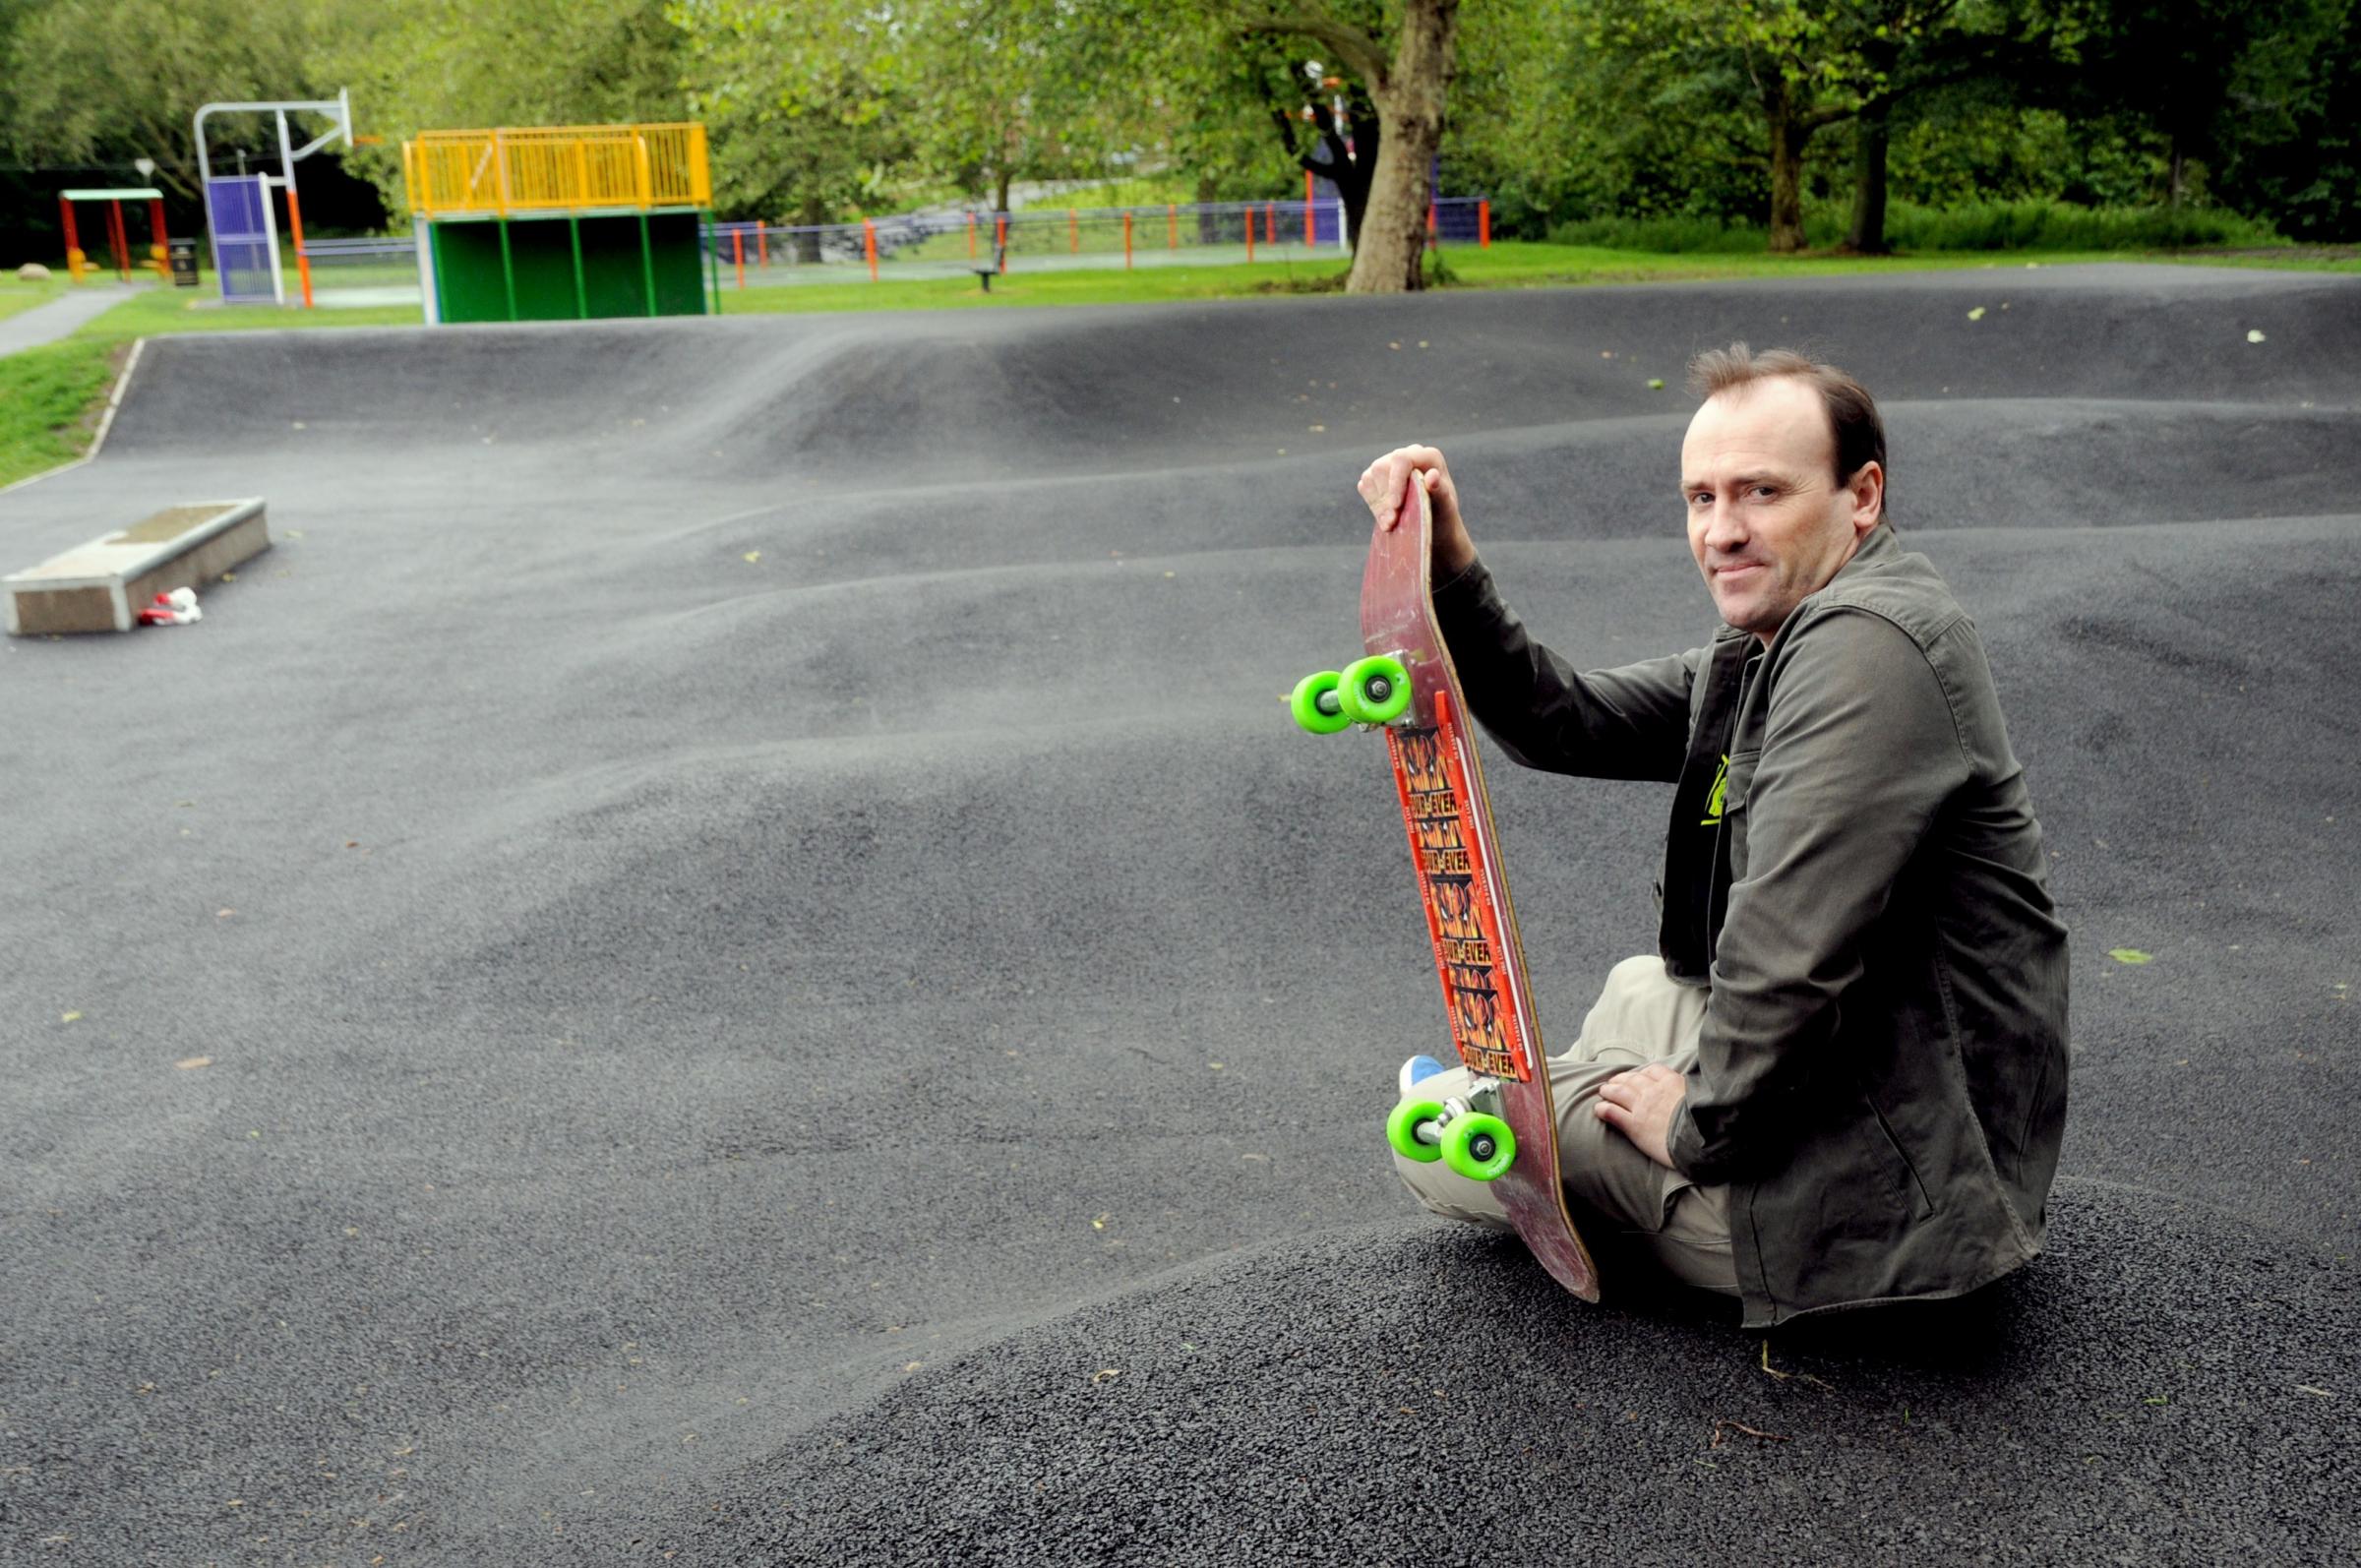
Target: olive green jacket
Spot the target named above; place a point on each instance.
(1853, 870)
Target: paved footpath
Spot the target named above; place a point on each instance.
(46, 324)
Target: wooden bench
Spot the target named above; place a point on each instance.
(102, 585)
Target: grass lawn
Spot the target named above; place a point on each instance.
(15, 296)
(50, 396)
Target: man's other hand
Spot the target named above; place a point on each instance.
(1385, 484)
(1640, 1104)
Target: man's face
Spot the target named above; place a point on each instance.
(1768, 521)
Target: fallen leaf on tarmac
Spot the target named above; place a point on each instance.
(1656, 384)
(192, 1063)
(753, 556)
(1100, 1224)
(2129, 955)
(1106, 1374)
(229, 576)
(912, 1366)
(1977, 314)
(2306, 1388)
(223, 914)
(67, 1018)
(2254, 336)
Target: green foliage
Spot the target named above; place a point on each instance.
(2032, 225)
(108, 81)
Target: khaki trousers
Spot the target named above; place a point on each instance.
(1640, 1018)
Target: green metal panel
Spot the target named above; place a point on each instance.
(566, 266)
(543, 255)
(677, 258)
(468, 272)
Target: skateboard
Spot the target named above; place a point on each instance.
(1503, 1130)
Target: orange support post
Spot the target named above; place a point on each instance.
(970, 236)
(1484, 225)
(1000, 240)
(161, 249)
(869, 245)
(1434, 235)
(1249, 234)
(1127, 241)
(303, 263)
(761, 246)
(1073, 231)
(738, 254)
(1270, 222)
(1310, 235)
(1172, 216)
(73, 257)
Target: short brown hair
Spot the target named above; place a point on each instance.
(1861, 435)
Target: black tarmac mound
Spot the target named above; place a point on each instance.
(2168, 1386)
(738, 886)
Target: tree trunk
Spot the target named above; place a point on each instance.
(1789, 138)
(1390, 255)
(1868, 234)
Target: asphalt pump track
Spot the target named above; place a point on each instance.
(778, 987)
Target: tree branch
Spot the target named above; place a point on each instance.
(1354, 48)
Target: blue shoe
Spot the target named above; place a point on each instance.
(1415, 1069)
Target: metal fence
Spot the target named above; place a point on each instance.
(953, 244)
(352, 273)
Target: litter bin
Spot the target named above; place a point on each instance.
(184, 264)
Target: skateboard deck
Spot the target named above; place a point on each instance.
(1456, 852)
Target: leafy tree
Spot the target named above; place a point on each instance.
(1410, 85)
(436, 65)
(105, 81)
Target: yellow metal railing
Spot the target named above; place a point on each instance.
(557, 168)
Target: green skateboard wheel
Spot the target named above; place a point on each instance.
(1318, 703)
(1401, 1130)
(1375, 690)
(1479, 1147)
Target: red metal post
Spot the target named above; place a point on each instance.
(65, 209)
(162, 246)
(1126, 240)
(1484, 225)
(1000, 240)
(738, 254)
(1270, 222)
(761, 246)
(1249, 234)
(1434, 234)
(869, 245)
(118, 239)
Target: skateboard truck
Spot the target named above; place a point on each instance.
(1474, 1143)
(1374, 691)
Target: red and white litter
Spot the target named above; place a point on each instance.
(176, 608)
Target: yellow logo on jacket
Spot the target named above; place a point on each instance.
(1713, 802)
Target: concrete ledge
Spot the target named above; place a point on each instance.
(100, 587)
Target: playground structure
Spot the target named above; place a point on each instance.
(239, 215)
(561, 222)
(118, 241)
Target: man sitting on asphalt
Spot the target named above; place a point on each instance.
(1842, 1080)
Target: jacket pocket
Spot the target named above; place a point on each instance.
(1907, 1171)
